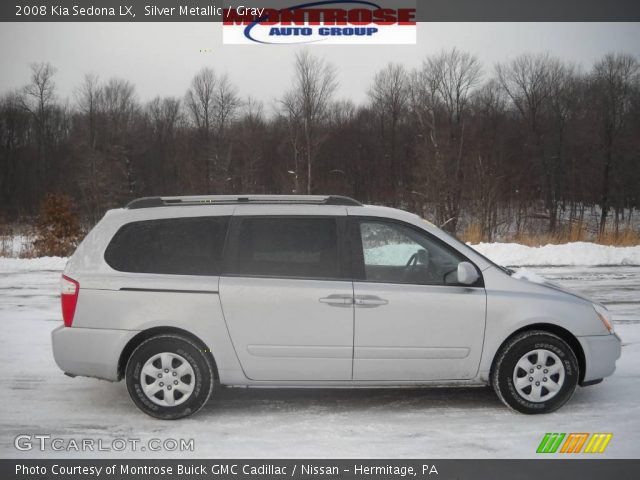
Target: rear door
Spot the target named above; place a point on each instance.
(287, 296)
(413, 322)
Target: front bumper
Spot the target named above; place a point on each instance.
(600, 353)
(89, 352)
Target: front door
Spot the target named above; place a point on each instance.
(413, 321)
(287, 299)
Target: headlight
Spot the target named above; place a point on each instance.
(605, 316)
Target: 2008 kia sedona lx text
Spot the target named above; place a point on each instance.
(179, 294)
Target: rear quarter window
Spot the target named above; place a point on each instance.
(286, 247)
(172, 246)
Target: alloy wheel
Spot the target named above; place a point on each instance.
(167, 379)
(539, 375)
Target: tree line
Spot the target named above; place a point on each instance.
(531, 138)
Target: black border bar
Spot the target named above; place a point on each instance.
(426, 10)
(535, 469)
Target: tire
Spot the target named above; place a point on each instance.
(169, 377)
(550, 368)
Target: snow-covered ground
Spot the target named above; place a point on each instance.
(281, 423)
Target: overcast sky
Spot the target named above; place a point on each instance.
(161, 58)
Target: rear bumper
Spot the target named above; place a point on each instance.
(600, 353)
(89, 352)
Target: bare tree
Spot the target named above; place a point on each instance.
(227, 104)
(37, 99)
(89, 97)
(314, 84)
(445, 84)
(389, 96)
(529, 81)
(14, 121)
(428, 183)
(341, 113)
(246, 171)
(119, 106)
(564, 109)
(526, 79)
(615, 78)
(212, 101)
(164, 116)
(489, 105)
(200, 99)
(40, 92)
(291, 111)
(455, 75)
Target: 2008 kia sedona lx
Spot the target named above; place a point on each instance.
(178, 294)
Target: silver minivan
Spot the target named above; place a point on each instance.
(178, 295)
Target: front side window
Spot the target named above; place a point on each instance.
(394, 253)
(286, 247)
(173, 246)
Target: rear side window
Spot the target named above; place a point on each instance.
(173, 246)
(286, 247)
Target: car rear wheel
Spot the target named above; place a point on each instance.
(169, 377)
(535, 372)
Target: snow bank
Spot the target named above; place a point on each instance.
(577, 253)
(513, 254)
(14, 265)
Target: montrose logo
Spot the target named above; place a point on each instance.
(325, 22)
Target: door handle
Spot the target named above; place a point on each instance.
(369, 301)
(338, 300)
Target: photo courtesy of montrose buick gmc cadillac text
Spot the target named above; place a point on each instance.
(182, 295)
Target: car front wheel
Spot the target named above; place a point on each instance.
(535, 372)
(169, 377)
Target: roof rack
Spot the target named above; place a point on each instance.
(153, 202)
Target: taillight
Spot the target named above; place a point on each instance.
(69, 290)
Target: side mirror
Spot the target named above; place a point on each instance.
(467, 273)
